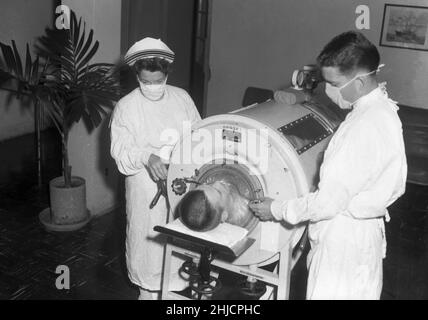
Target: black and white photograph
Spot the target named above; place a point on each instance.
(213, 155)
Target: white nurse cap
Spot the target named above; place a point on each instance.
(148, 48)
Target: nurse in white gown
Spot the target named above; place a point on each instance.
(137, 124)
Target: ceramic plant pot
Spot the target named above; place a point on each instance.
(68, 205)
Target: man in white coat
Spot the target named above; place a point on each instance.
(363, 172)
(137, 124)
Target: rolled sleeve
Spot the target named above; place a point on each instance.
(345, 173)
(278, 208)
(129, 157)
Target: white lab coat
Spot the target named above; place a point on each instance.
(363, 172)
(136, 127)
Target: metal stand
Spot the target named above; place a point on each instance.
(279, 279)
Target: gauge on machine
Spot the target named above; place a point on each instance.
(298, 79)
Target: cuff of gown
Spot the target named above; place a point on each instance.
(276, 208)
(145, 155)
(165, 153)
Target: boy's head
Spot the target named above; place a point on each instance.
(349, 62)
(209, 204)
(197, 212)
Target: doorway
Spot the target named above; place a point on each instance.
(185, 27)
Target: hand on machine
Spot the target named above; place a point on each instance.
(262, 208)
(157, 169)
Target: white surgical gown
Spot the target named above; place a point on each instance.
(136, 127)
(363, 172)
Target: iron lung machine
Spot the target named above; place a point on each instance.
(265, 150)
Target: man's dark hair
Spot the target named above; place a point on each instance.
(350, 51)
(196, 212)
(153, 65)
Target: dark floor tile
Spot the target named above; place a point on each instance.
(403, 203)
(92, 290)
(416, 218)
(411, 241)
(419, 201)
(390, 276)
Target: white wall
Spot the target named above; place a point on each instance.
(260, 42)
(22, 21)
(89, 152)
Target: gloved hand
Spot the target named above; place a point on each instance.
(157, 168)
(261, 208)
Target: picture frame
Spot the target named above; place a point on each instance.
(404, 26)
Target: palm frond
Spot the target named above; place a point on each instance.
(86, 57)
(28, 64)
(4, 77)
(17, 60)
(35, 74)
(8, 58)
(13, 78)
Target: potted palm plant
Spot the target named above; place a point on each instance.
(69, 89)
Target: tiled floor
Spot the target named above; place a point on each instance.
(29, 255)
(406, 264)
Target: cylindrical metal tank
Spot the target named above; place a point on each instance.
(268, 149)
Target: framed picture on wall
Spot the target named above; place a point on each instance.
(405, 27)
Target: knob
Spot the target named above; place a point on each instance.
(179, 186)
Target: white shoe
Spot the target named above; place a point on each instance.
(148, 295)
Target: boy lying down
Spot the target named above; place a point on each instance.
(208, 205)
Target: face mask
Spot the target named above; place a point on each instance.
(153, 91)
(334, 93)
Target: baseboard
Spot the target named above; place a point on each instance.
(98, 213)
(13, 130)
(19, 129)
